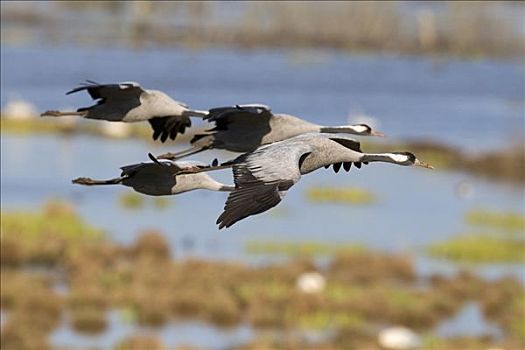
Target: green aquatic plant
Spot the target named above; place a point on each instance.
(461, 287)
(515, 321)
(363, 289)
(504, 303)
(505, 221)
(299, 248)
(432, 342)
(44, 237)
(328, 319)
(347, 195)
(152, 244)
(89, 320)
(78, 126)
(140, 342)
(131, 200)
(21, 335)
(480, 248)
(153, 312)
(361, 266)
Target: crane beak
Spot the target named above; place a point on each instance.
(377, 133)
(423, 164)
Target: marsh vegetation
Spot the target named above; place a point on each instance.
(500, 238)
(364, 290)
(454, 28)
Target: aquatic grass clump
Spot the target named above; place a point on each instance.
(188, 302)
(363, 289)
(300, 248)
(11, 252)
(89, 320)
(29, 126)
(15, 284)
(141, 342)
(515, 321)
(346, 195)
(87, 303)
(504, 303)
(87, 296)
(44, 237)
(39, 310)
(131, 200)
(22, 291)
(480, 248)
(363, 267)
(152, 244)
(18, 335)
(328, 319)
(461, 287)
(56, 220)
(222, 308)
(148, 310)
(413, 309)
(264, 316)
(79, 126)
(431, 342)
(505, 221)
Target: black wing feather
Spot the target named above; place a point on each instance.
(168, 127)
(351, 144)
(100, 91)
(247, 201)
(218, 113)
(251, 195)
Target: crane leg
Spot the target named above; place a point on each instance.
(181, 154)
(60, 114)
(90, 182)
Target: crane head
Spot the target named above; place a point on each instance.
(408, 158)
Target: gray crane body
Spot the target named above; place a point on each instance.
(244, 128)
(161, 179)
(128, 102)
(262, 177)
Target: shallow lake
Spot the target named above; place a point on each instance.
(474, 105)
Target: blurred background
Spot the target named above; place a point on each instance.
(382, 257)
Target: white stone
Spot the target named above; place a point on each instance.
(19, 109)
(399, 338)
(311, 282)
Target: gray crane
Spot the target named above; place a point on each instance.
(129, 102)
(160, 178)
(243, 128)
(263, 176)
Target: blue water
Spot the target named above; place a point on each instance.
(172, 335)
(473, 104)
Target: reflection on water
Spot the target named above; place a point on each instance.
(172, 335)
(469, 321)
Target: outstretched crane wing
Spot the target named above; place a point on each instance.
(262, 179)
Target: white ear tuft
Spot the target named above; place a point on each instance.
(360, 128)
(399, 158)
